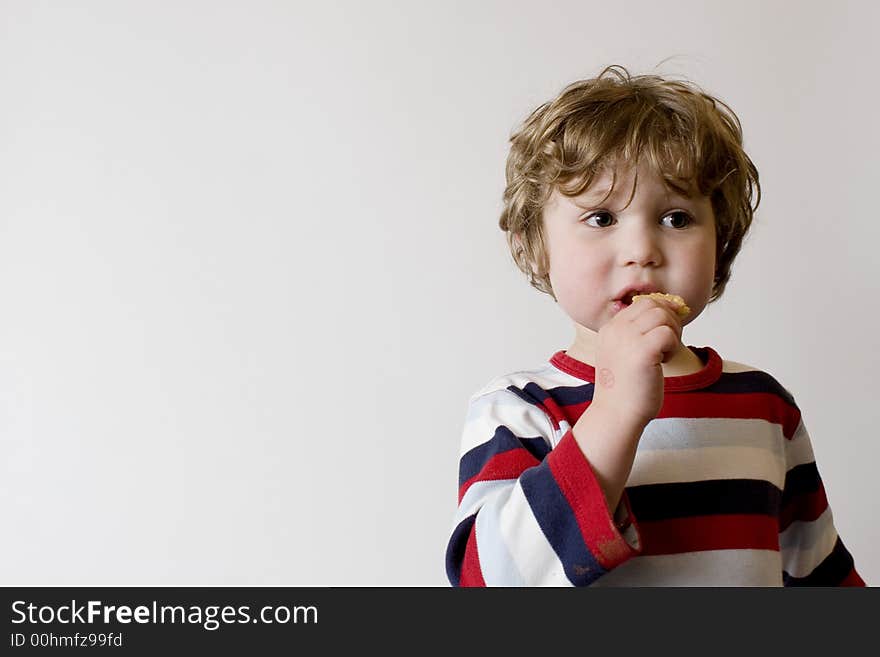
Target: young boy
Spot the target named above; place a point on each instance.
(631, 459)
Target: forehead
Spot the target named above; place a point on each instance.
(622, 183)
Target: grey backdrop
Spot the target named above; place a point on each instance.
(250, 269)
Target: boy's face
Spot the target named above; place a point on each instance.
(600, 254)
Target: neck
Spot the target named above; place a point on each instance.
(682, 362)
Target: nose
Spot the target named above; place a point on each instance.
(640, 246)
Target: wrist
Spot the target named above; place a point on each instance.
(623, 419)
(608, 440)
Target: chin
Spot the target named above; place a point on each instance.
(588, 324)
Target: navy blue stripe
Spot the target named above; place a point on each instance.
(558, 522)
(532, 393)
(800, 480)
(504, 440)
(702, 498)
(570, 396)
(750, 382)
(456, 547)
(562, 395)
(567, 395)
(831, 572)
(728, 383)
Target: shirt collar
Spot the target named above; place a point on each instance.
(710, 373)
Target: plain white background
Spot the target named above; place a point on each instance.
(250, 268)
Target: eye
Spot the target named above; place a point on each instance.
(599, 219)
(677, 219)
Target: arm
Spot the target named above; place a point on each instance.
(812, 552)
(529, 516)
(609, 443)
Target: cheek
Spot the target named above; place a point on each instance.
(701, 279)
(566, 265)
(710, 262)
(706, 268)
(700, 256)
(574, 275)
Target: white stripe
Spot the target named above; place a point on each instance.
(732, 367)
(805, 545)
(530, 550)
(545, 377)
(684, 432)
(706, 463)
(485, 414)
(477, 494)
(496, 563)
(564, 428)
(705, 568)
(799, 450)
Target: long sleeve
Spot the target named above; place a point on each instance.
(812, 552)
(529, 514)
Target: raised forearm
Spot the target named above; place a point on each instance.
(609, 443)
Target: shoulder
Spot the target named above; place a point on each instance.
(757, 393)
(751, 378)
(516, 405)
(524, 397)
(536, 381)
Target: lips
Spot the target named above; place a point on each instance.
(626, 295)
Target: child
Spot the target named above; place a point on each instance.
(631, 459)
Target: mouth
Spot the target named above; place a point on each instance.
(626, 298)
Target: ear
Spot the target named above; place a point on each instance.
(518, 246)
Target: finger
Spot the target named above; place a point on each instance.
(657, 316)
(663, 342)
(644, 302)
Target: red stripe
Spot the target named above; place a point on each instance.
(471, 575)
(713, 405)
(506, 465)
(551, 408)
(853, 579)
(717, 532)
(573, 412)
(805, 507)
(576, 480)
(751, 405)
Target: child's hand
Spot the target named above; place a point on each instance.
(630, 349)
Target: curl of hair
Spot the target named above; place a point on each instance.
(690, 139)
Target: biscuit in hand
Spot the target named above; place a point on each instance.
(680, 306)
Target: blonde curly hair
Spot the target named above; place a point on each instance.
(690, 139)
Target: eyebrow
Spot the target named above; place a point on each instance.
(593, 192)
(591, 197)
(675, 199)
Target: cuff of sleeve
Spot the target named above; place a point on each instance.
(612, 538)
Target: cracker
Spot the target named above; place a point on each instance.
(680, 306)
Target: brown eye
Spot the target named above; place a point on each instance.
(677, 220)
(600, 220)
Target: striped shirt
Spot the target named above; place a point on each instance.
(724, 489)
